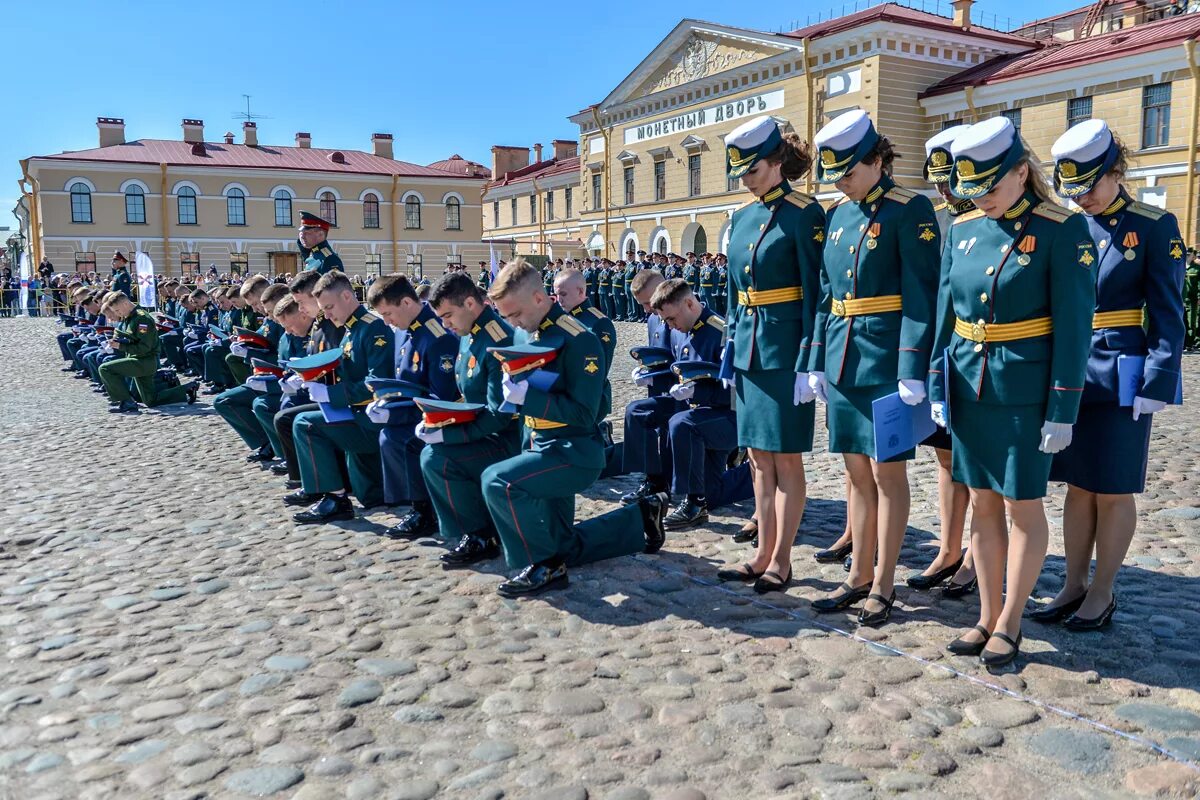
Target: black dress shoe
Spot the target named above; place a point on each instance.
(846, 597)
(301, 498)
(833, 555)
(81, 375)
(742, 572)
(873, 619)
(69, 368)
(263, 453)
(961, 647)
(124, 407)
(646, 489)
(606, 433)
(993, 660)
(216, 388)
(418, 522)
(687, 514)
(191, 389)
(956, 590)
(1052, 614)
(471, 549)
(331, 507)
(923, 582)
(654, 509)
(99, 390)
(534, 579)
(291, 484)
(772, 581)
(1078, 623)
(748, 532)
(847, 563)
(279, 469)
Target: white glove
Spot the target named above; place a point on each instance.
(190, 334)
(291, 384)
(377, 414)
(937, 411)
(107, 349)
(639, 379)
(802, 393)
(682, 391)
(1144, 405)
(1056, 437)
(238, 349)
(319, 392)
(434, 436)
(816, 382)
(257, 384)
(912, 393)
(514, 392)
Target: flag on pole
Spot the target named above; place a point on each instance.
(495, 263)
(145, 279)
(24, 301)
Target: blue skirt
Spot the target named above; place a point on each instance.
(1108, 451)
(851, 422)
(766, 418)
(996, 447)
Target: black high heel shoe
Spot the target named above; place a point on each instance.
(924, 582)
(873, 619)
(1077, 623)
(1050, 614)
(837, 602)
(833, 555)
(961, 647)
(957, 590)
(763, 586)
(994, 660)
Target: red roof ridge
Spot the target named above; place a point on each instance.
(540, 169)
(894, 12)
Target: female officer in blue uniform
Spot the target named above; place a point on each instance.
(1140, 266)
(1014, 322)
(775, 256)
(873, 332)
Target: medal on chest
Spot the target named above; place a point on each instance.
(873, 236)
(1131, 241)
(1025, 247)
(471, 367)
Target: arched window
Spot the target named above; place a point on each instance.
(186, 199)
(370, 211)
(135, 205)
(81, 203)
(412, 213)
(329, 208)
(235, 207)
(700, 242)
(283, 209)
(453, 214)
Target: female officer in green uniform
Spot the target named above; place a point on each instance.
(1014, 327)
(1140, 266)
(874, 329)
(774, 258)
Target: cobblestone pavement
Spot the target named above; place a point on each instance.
(168, 633)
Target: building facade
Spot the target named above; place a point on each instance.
(192, 203)
(651, 154)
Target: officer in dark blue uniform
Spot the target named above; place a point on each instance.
(1139, 316)
(314, 244)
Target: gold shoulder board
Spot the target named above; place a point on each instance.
(970, 215)
(1144, 210)
(435, 327)
(369, 317)
(571, 325)
(495, 331)
(900, 194)
(800, 199)
(1053, 212)
(597, 313)
(717, 322)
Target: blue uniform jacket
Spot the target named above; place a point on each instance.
(704, 343)
(427, 355)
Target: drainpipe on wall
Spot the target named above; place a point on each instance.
(607, 134)
(540, 210)
(166, 236)
(395, 241)
(1189, 218)
(969, 95)
(810, 122)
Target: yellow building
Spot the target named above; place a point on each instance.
(652, 164)
(190, 203)
(531, 207)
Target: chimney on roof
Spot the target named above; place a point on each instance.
(193, 130)
(962, 13)
(381, 145)
(304, 139)
(250, 134)
(565, 148)
(537, 153)
(112, 130)
(228, 137)
(508, 159)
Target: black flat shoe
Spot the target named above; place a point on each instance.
(777, 583)
(873, 619)
(961, 647)
(749, 532)
(993, 660)
(654, 511)
(534, 579)
(847, 597)
(330, 508)
(471, 549)
(957, 590)
(301, 498)
(1051, 614)
(742, 572)
(924, 582)
(419, 521)
(833, 555)
(1078, 623)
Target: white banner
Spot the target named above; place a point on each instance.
(145, 280)
(24, 274)
(703, 117)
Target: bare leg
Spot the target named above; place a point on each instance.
(764, 505)
(1079, 538)
(892, 482)
(863, 512)
(952, 513)
(1116, 520)
(989, 542)
(1026, 554)
(790, 495)
(846, 537)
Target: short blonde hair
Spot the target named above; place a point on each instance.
(252, 286)
(517, 275)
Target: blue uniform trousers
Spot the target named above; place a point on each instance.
(400, 452)
(63, 338)
(235, 407)
(453, 473)
(701, 441)
(646, 428)
(194, 356)
(320, 446)
(215, 369)
(93, 361)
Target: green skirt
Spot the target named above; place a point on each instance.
(766, 418)
(851, 423)
(996, 448)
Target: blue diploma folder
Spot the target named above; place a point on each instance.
(726, 373)
(538, 379)
(898, 426)
(1129, 380)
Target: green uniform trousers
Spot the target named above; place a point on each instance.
(215, 370)
(452, 477)
(238, 368)
(265, 407)
(319, 445)
(114, 373)
(235, 407)
(531, 499)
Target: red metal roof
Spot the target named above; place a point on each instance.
(1117, 44)
(240, 156)
(541, 169)
(891, 12)
(461, 166)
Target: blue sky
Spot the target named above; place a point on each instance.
(442, 77)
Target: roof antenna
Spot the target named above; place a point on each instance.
(246, 116)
